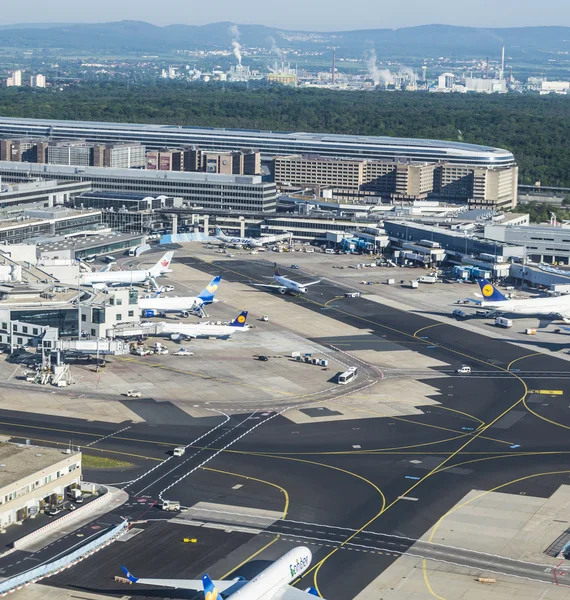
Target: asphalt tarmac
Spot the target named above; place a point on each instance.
(494, 429)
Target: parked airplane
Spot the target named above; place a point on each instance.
(272, 583)
(284, 284)
(181, 331)
(186, 305)
(554, 307)
(237, 241)
(114, 278)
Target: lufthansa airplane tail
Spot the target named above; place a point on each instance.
(240, 320)
(490, 292)
(276, 271)
(208, 293)
(210, 590)
(162, 266)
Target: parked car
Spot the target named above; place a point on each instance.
(464, 370)
(167, 288)
(263, 358)
(183, 352)
(294, 266)
(52, 511)
(133, 394)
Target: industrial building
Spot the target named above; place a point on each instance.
(542, 243)
(269, 143)
(32, 477)
(211, 191)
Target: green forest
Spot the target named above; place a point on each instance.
(535, 128)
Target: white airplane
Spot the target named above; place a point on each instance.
(186, 305)
(285, 285)
(182, 331)
(272, 583)
(113, 278)
(249, 242)
(553, 307)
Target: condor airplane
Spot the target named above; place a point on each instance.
(115, 278)
(181, 331)
(250, 242)
(285, 285)
(555, 307)
(185, 306)
(272, 583)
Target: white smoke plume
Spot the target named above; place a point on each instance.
(275, 49)
(234, 31)
(377, 75)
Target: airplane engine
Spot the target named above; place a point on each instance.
(282, 291)
(185, 314)
(303, 290)
(176, 337)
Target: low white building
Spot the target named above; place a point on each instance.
(33, 476)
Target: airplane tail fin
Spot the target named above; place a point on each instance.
(208, 293)
(276, 271)
(129, 575)
(163, 264)
(240, 320)
(219, 232)
(210, 590)
(490, 292)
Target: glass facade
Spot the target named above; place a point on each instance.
(65, 319)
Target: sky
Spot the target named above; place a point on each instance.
(320, 15)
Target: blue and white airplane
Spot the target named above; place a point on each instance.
(272, 583)
(181, 331)
(185, 305)
(285, 285)
(555, 307)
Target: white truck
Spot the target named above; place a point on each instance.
(170, 505)
(502, 322)
(427, 279)
(179, 451)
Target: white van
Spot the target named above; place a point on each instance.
(179, 451)
(502, 322)
(330, 251)
(464, 370)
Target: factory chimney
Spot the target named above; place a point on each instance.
(334, 66)
(502, 63)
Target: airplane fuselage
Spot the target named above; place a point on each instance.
(282, 572)
(166, 305)
(290, 286)
(191, 330)
(116, 277)
(559, 305)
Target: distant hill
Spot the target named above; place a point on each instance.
(427, 40)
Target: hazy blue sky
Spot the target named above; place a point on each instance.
(298, 14)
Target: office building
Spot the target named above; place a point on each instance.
(241, 162)
(77, 154)
(119, 156)
(38, 194)
(24, 150)
(38, 81)
(122, 201)
(212, 192)
(269, 143)
(33, 477)
(106, 310)
(165, 159)
(15, 80)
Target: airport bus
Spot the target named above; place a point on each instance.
(348, 376)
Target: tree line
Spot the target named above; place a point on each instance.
(535, 128)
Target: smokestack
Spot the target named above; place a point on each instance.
(503, 63)
(487, 69)
(334, 66)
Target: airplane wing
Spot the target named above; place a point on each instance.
(269, 285)
(311, 283)
(291, 593)
(182, 584)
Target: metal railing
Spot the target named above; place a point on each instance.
(32, 576)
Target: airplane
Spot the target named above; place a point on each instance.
(553, 307)
(284, 284)
(249, 242)
(106, 278)
(273, 583)
(186, 305)
(181, 331)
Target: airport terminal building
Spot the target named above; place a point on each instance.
(269, 143)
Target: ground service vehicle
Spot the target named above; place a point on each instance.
(133, 394)
(502, 322)
(464, 370)
(348, 376)
(179, 451)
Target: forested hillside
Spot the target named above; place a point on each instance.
(535, 128)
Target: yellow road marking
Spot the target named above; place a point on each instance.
(426, 580)
(547, 392)
(427, 327)
(285, 509)
(250, 557)
(333, 299)
(522, 358)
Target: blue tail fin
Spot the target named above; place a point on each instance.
(490, 292)
(208, 293)
(129, 575)
(276, 270)
(210, 591)
(240, 320)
